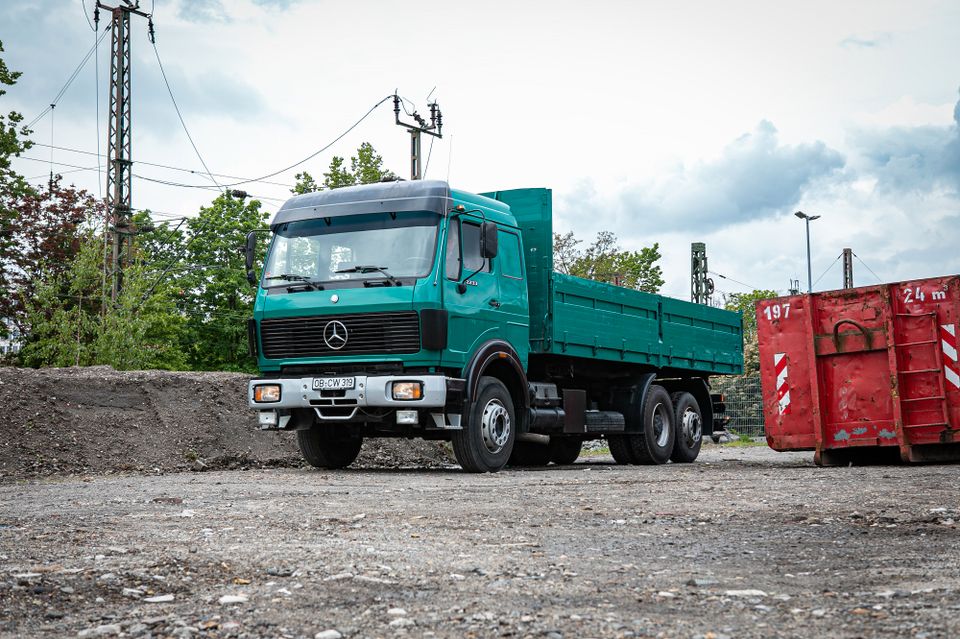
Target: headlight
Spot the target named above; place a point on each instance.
(407, 390)
(266, 393)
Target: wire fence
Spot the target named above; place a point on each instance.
(744, 402)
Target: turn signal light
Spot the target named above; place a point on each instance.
(407, 390)
(266, 393)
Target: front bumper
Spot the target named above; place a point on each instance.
(369, 392)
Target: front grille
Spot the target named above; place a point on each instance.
(366, 333)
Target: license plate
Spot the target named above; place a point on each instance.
(333, 383)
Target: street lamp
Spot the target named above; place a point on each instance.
(808, 219)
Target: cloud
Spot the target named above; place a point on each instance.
(858, 42)
(203, 11)
(283, 5)
(912, 159)
(754, 177)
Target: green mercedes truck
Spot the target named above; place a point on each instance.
(411, 309)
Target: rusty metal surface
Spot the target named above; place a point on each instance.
(858, 371)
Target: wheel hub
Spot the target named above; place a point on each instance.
(691, 427)
(661, 425)
(495, 426)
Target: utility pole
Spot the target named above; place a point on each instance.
(701, 286)
(434, 128)
(847, 268)
(120, 131)
(794, 287)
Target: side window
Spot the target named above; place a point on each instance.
(509, 254)
(453, 251)
(471, 249)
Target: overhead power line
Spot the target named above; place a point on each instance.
(176, 107)
(318, 151)
(166, 166)
(832, 264)
(868, 268)
(752, 288)
(66, 85)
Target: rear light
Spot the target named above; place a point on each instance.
(266, 393)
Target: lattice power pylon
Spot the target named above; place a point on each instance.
(119, 163)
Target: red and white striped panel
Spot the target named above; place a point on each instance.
(783, 391)
(948, 341)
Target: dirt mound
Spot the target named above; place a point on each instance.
(98, 420)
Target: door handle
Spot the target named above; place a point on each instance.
(494, 303)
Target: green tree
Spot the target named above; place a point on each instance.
(217, 297)
(41, 242)
(367, 166)
(338, 175)
(158, 242)
(305, 184)
(71, 321)
(13, 187)
(745, 303)
(605, 261)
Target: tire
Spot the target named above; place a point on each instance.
(485, 442)
(323, 447)
(688, 422)
(564, 450)
(654, 443)
(529, 454)
(620, 449)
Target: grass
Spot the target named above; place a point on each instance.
(745, 441)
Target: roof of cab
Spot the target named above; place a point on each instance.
(388, 197)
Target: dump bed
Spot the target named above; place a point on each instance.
(863, 372)
(575, 317)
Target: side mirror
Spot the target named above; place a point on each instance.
(249, 252)
(488, 240)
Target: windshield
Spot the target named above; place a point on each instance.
(321, 250)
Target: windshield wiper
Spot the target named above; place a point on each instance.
(293, 277)
(364, 269)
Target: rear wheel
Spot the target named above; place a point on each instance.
(530, 454)
(484, 443)
(328, 447)
(654, 443)
(564, 450)
(689, 428)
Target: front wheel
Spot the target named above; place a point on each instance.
(484, 443)
(324, 447)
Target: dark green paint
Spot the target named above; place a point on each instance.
(545, 312)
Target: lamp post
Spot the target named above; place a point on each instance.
(808, 218)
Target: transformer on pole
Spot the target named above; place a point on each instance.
(434, 128)
(119, 137)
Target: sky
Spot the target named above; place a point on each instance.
(663, 122)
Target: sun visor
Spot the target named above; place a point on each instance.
(384, 197)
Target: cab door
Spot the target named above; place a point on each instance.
(474, 314)
(508, 266)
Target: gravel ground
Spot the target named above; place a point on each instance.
(743, 543)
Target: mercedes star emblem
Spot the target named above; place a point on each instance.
(335, 335)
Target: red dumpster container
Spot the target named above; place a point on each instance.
(864, 374)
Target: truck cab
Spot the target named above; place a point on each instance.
(374, 303)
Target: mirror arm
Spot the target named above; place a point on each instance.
(461, 287)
